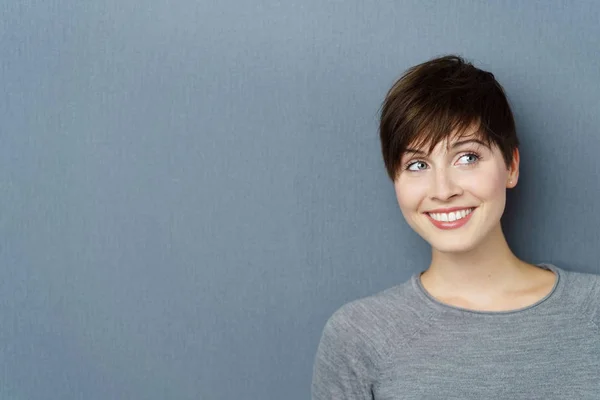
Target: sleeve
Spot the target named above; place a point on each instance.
(342, 369)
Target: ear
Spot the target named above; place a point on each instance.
(513, 171)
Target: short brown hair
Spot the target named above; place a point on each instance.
(441, 96)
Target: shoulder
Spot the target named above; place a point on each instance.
(370, 322)
(583, 284)
(364, 312)
(584, 290)
(592, 297)
(353, 346)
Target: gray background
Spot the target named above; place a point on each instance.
(191, 188)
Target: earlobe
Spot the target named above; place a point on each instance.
(513, 178)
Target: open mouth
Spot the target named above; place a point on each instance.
(451, 216)
(451, 220)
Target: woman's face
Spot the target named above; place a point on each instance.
(454, 197)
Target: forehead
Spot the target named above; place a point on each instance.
(426, 144)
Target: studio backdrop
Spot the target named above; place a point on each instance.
(189, 189)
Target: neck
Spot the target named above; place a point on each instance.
(491, 269)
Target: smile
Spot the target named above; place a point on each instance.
(452, 216)
(451, 220)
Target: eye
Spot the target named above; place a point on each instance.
(416, 166)
(469, 158)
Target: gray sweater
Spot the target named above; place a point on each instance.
(404, 344)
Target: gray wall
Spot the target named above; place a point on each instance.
(190, 188)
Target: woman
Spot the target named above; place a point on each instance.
(479, 323)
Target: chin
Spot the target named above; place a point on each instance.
(448, 249)
(460, 245)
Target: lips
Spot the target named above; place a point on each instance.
(442, 220)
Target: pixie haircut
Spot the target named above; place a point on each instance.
(442, 99)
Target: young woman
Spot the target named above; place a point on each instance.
(479, 323)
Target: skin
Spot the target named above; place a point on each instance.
(472, 266)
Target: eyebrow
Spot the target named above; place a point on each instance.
(455, 145)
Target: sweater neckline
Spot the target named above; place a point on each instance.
(440, 306)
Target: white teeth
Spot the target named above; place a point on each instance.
(450, 217)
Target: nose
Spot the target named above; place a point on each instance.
(444, 186)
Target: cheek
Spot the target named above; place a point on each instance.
(489, 184)
(409, 195)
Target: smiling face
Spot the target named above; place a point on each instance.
(454, 196)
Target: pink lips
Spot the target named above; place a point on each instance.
(450, 225)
